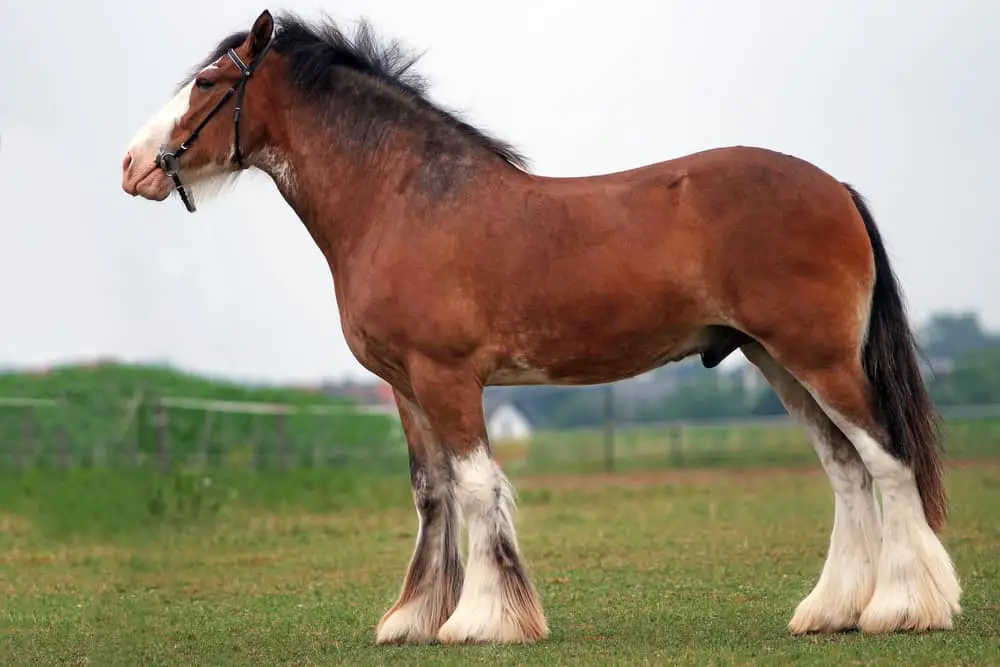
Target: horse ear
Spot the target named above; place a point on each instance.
(260, 33)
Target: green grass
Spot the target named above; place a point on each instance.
(296, 568)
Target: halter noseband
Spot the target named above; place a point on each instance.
(170, 161)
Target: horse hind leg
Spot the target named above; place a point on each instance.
(876, 399)
(847, 580)
(916, 585)
(843, 334)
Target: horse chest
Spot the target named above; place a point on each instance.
(370, 346)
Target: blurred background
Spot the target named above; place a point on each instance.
(161, 369)
(236, 303)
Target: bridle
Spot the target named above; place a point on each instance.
(170, 161)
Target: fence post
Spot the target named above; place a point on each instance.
(609, 427)
(28, 443)
(130, 434)
(63, 448)
(258, 449)
(206, 433)
(316, 437)
(279, 435)
(676, 441)
(132, 453)
(160, 422)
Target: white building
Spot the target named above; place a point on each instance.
(506, 422)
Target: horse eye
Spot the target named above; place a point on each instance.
(204, 84)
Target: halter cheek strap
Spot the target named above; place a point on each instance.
(170, 161)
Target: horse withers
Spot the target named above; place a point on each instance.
(455, 268)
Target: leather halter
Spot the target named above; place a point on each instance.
(170, 161)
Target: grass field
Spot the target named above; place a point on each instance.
(295, 568)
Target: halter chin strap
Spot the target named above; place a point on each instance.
(170, 161)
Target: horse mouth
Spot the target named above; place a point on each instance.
(151, 183)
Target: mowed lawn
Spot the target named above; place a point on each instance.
(663, 568)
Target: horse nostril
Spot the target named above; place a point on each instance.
(127, 162)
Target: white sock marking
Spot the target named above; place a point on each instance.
(916, 585)
(849, 573)
(412, 621)
(486, 499)
(848, 577)
(420, 617)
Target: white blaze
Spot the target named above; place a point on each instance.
(156, 131)
(203, 183)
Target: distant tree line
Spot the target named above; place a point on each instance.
(961, 362)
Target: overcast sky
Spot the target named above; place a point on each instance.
(897, 97)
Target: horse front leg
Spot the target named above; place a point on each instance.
(498, 603)
(433, 579)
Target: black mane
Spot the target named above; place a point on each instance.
(315, 50)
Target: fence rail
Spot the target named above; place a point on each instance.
(18, 402)
(179, 431)
(169, 432)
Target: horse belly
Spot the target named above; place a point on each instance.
(604, 325)
(578, 360)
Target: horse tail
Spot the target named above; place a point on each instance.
(901, 400)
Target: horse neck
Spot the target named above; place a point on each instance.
(341, 189)
(331, 191)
